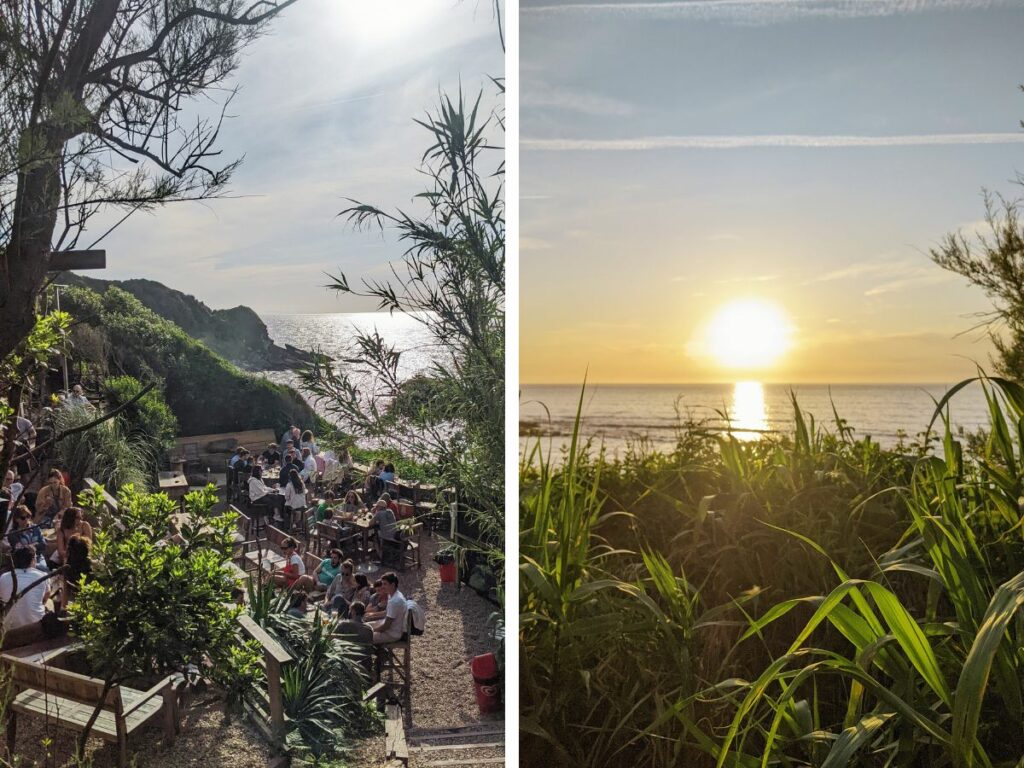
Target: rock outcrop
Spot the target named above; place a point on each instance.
(236, 334)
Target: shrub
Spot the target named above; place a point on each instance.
(206, 393)
(149, 418)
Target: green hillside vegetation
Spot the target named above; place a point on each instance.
(237, 334)
(206, 393)
(813, 600)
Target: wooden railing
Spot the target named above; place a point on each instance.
(268, 713)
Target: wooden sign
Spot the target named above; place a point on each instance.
(64, 260)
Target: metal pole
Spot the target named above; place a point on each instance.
(63, 357)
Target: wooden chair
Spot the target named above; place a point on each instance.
(399, 553)
(68, 700)
(394, 666)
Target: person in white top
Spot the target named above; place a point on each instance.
(12, 492)
(295, 495)
(76, 398)
(31, 607)
(308, 465)
(262, 495)
(393, 626)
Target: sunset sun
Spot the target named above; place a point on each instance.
(748, 333)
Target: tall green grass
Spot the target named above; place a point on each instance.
(810, 600)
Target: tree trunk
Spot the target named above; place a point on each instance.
(27, 256)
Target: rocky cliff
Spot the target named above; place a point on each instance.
(236, 334)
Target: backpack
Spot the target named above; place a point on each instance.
(417, 617)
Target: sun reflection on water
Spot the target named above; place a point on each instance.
(748, 414)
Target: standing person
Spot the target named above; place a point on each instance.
(287, 436)
(392, 627)
(73, 523)
(294, 495)
(52, 499)
(308, 466)
(387, 475)
(11, 492)
(308, 441)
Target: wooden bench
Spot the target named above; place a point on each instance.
(395, 745)
(268, 551)
(69, 699)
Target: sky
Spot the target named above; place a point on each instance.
(679, 156)
(324, 113)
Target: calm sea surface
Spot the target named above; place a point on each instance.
(619, 414)
(333, 334)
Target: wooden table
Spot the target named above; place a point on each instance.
(174, 484)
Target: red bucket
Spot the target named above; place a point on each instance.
(449, 573)
(485, 683)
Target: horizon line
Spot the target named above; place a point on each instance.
(782, 140)
(763, 12)
(743, 381)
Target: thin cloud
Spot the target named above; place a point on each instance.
(571, 100)
(788, 140)
(765, 11)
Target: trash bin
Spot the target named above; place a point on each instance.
(449, 573)
(485, 681)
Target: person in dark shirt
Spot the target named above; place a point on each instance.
(286, 468)
(271, 456)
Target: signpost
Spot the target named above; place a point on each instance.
(61, 261)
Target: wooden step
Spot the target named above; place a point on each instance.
(443, 747)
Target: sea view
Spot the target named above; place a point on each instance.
(334, 333)
(616, 415)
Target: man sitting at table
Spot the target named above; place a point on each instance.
(392, 627)
(271, 456)
(263, 496)
(23, 623)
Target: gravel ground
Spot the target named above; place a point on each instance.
(442, 681)
(204, 741)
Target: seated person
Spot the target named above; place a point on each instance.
(23, 623)
(342, 589)
(24, 534)
(353, 504)
(235, 456)
(355, 630)
(271, 456)
(262, 495)
(11, 494)
(385, 523)
(298, 605)
(326, 505)
(78, 568)
(77, 398)
(328, 570)
(52, 499)
(72, 523)
(392, 627)
(293, 568)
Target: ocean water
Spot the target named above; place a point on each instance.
(619, 414)
(333, 334)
